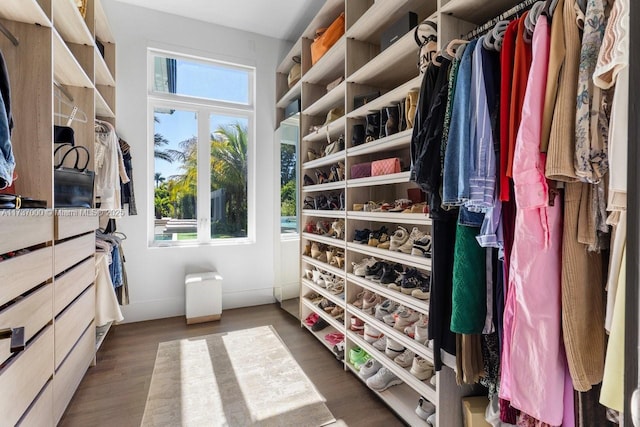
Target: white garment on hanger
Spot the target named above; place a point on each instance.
(107, 167)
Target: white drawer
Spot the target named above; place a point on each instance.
(21, 229)
(71, 222)
(22, 273)
(71, 252)
(72, 322)
(41, 412)
(71, 284)
(67, 378)
(32, 313)
(24, 377)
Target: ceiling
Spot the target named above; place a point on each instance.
(281, 19)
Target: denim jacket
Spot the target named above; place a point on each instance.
(7, 161)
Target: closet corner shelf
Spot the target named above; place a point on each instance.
(103, 74)
(405, 300)
(395, 178)
(334, 129)
(324, 213)
(396, 141)
(328, 295)
(290, 96)
(406, 259)
(326, 316)
(420, 387)
(325, 16)
(323, 266)
(324, 187)
(333, 98)
(70, 23)
(287, 62)
(102, 108)
(66, 69)
(338, 243)
(391, 217)
(395, 64)
(393, 96)
(369, 24)
(330, 66)
(324, 161)
(101, 334)
(468, 10)
(26, 11)
(103, 30)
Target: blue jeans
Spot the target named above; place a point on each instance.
(7, 162)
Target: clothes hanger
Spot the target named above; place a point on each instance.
(76, 113)
(8, 34)
(532, 20)
(549, 8)
(454, 45)
(498, 34)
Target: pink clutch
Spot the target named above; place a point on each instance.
(361, 170)
(385, 166)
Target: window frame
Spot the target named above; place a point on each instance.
(204, 108)
(293, 122)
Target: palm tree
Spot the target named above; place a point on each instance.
(160, 141)
(158, 178)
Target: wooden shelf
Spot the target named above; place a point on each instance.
(323, 266)
(325, 214)
(395, 64)
(322, 291)
(326, 316)
(330, 66)
(103, 75)
(26, 11)
(325, 16)
(324, 187)
(470, 10)
(406, 259)
(338, 243)
(395, 178)
(101, 334)
(70, 23)
(103, 30)
(390, 98)
(291, 95)
(67, 70)
(335, 128)
(321, 334)
(405, 300)
(334, 98)
(102, 108)
(287, 61)
(324, 161)
(391, 217)
(396, 141)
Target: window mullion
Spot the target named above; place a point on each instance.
(204, 176)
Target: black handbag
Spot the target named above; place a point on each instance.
(63, 135)
(13, 201)
(73, 186)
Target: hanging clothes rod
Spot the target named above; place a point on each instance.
(8, 34)
(502, 17)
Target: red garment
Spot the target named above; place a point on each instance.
(521, 68)
(507, 57)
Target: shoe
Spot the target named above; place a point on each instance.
(421, 330)
(398, 238)
(382, 380)
(425, 409)
(401, 205)
(358, 135)
(381, 344)
(421, 368)
(413, 279)
(308, 180)
(392, 125)
(371, 334)
(390, 319)
(369, 369)
(372, 129)
(433, 381)
(385, 245)
(417, 208)
(357, 207)
(373, 271)
(431, 421)
(390, 273)
(357, 302)
(410, 106)
(338, 350)
(405, 318)
(337, 311)
(393, 349)
(378, 236)
(407, 247)
(383, 123)
(422, 247)
(369, 304)
(361, 236)
(360, 268)
(357, 325)
(358, 357)
(322, 177)
(405, 359)
(319, 325)
(316, 253)
(312, 155)
(387, 307)
(421, 293)
(311, 319)
(334, 338)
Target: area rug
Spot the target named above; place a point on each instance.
(240, 378)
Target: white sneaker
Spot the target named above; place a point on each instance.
(425, 408)
(393, 349)
(406, 318)
(381, 344)
(405, 359)
(432, 420)
(433, 381)
(421, 330)
(421, 368)
(399, 238)
(371, 334)
(407, 247)
(390, 319)
(359, 268)
(369, 369)
(382, 380)
(387, 307)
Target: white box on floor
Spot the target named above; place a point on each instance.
(203, 295)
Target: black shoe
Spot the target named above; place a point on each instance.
(362, 236)
(391, 125)
(374, 271)
(383, 123)
(389, 274)
(358, 135)
(319, 325)
(373, 127)
(308, 180)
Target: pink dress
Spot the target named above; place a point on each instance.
(533, 361)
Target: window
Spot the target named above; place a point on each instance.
(203, 114)
(289, 176)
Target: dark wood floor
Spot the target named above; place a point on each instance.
(114, 392)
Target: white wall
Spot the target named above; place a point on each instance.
(156, 275)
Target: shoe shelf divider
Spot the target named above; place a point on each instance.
(393, 217)
(396, 141)
(331, 241)
(383, 291)
(333, 98)
(322, 291)
(388, 255)
(339, 185)
(334, 129)
(324, 213)
(323, 314)
(103, 75)
(324, 161)
(67, 70)
(324, 266)
(394, 178)
(422, 387)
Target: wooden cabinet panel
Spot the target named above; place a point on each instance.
(72, 322)
(71, 284)
(72, 222)
(41, 413)
(19, 230)
(71, 252)
(24, 272)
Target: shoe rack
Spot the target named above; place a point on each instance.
(357, 59)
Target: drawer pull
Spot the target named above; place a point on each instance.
(17, 338)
